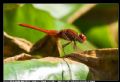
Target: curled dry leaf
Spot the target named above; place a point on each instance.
(103, 63)
(22, 56)
(47, 46)
(15, 45)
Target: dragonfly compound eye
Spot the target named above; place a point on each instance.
(82, 37)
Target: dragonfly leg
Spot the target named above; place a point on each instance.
(64, 45)
(75, 45)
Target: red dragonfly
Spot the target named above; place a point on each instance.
(66, 34)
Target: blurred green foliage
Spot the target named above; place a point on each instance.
(97, 25)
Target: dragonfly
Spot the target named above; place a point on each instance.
(66, 34)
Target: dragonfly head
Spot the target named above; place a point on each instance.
(81, 38)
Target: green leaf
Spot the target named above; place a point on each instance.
(102, 37)
(44, 70)
(26, 14)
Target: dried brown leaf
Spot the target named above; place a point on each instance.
(15, 45)
(20, 57)
(103, 63)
